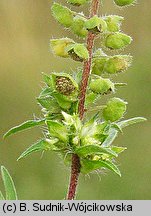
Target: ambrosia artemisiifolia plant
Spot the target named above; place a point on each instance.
(66, 100)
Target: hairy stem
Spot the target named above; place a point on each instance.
(75, 167)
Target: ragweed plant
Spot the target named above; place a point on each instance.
(84, 141)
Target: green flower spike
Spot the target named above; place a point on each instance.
(124, 2)
(114, 109)
(62, 14)
(78, 52)
(77, 2)
(117, 40)
(78, 26)
(117, 63)
(96, 24)
(59, 46)
(113, 22)
(101, 86)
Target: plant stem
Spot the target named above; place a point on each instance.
(75, 167)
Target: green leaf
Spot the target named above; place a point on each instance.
(122, 124)
(1, 196)
(58, 130)
(94, 149)
(111, 137)
(49, 103)
(131, 121)
(24, 126)
(89, 165)
(8, 184)
(118, 149)
(41, 145)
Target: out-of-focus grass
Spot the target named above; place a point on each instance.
(25, 29)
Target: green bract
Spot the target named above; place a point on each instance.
(77, 2)
(124, 2)
(117, 40)
(78, 26)
(118, 63)
(62, 14)
(59, 46)
(96, 24)
(114, 109)
(113, 22)
(78, 52)
(101, 86)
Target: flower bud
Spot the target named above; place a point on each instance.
(65, 89)
(78, 52)
(65, 85)
(58, 46)
(117, 63)
(114, 109)
(62, 14)
(77, 2)
(98, 65)
(101, 86)
(96, 24)
(78, 26)
(113, 22)
(98, 62)
(117, 40)
(124, 2)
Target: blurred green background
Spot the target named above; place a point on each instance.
(25, 29)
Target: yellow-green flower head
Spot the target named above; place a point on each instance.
(113, 22)
(124, 2)
(117, 40)
(62, 14)
(78, 26)
(117, 64)
(59, 46)
(114, 109)
(101, 86)
(77, 2)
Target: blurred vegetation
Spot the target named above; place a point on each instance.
(25, 29)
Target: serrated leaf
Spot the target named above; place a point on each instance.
(89, 166)
(26, 125)
(8, 184)
(41, 145)
(131, 121)
(94, 149)
(1, 196)
(58, 130)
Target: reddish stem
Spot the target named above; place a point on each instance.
(75, 167)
